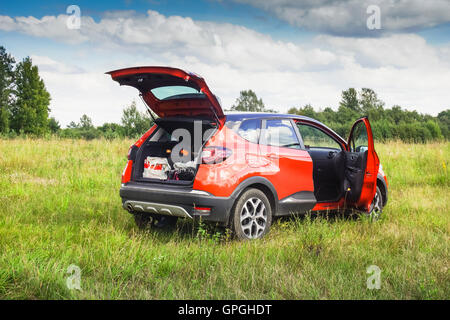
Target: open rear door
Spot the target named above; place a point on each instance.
(362, 165)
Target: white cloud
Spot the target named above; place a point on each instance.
(75, 92)
(397, 50)
(7, 23)
(47, 27)
(49, 65)
(348, 17)
(177, 36)
(404, 69)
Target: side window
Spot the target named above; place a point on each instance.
(315, 138)
(250, 130)
(233, 124)
(359, 141)
(161, 135)
(280, 133)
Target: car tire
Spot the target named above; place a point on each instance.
(376, 208)
(251, 215)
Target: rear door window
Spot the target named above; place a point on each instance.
(250, 130)
(280, 133)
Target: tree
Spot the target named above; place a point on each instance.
(6, 88)
(307, 111)
(248, 101)
(86, 129)
(72, 125)
(370, 104)
(111, 130)
(350, 100)
(54, 125)
(444, 122)
(111, 127)
(135, 123)
(29, 113)
(328, 115)
(85, 122)
(395, 114)
(349, 108)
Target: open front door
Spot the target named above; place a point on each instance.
(362, 166)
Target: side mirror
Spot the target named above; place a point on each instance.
(361, 149)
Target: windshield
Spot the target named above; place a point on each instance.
(171, 92)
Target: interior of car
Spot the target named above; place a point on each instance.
(167, 140)
(336, 172)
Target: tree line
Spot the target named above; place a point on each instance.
(133, 124)
(24, 110)
(387, 123)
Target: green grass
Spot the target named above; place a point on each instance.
(59, 205)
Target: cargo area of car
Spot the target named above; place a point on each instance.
(171, 155)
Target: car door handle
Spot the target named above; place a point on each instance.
(271, 155)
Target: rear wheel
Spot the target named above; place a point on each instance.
(146, 221)
(252, 215)
(376, 208)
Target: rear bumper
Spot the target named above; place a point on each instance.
(175, 200)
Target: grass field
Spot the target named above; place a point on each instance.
(59, 205)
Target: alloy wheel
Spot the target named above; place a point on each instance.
(376, 207)
(253, 218)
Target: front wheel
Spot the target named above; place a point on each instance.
(251, 215)
(376, 208)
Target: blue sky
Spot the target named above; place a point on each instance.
(219, 11)
(290, 52)
(211, 10)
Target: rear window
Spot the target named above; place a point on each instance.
(172, 92)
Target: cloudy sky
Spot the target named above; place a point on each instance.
(290, 52)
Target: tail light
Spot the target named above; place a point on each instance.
(212, 155)
(126, 175)
(132, 152)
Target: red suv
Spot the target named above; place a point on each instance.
(241, 169)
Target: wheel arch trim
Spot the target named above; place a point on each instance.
(255, 181)
(384, 190)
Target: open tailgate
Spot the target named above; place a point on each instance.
(146, 79)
